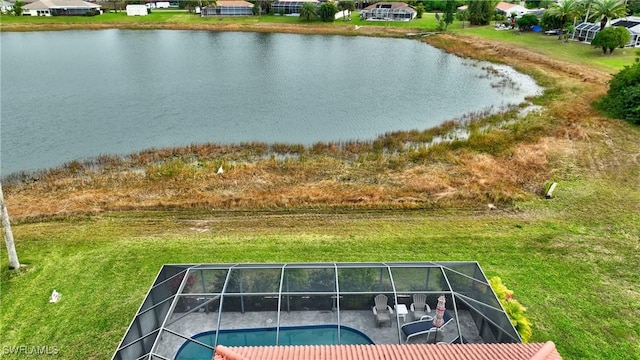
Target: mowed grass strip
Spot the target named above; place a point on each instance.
(572, 261)
(549, 45)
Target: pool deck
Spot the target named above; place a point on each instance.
(363, 320)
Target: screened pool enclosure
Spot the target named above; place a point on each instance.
(585, 32)
(201, 306)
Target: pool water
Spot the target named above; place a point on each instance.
(295, 335)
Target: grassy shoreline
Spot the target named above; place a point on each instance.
(99, 237)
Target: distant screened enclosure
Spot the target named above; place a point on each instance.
(228, 8)
(290, 7)
(394, 11)
(585, 32)
(186, 300)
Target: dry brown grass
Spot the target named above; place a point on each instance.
(499, 164)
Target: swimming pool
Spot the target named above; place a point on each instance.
(291, 335)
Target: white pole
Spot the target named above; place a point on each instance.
(8, 235)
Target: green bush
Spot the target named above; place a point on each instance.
(550, 22)
(513, 308)
(634, 7)
(610, 38)
(622, 101)
(527, 21)
(419, 11)
(327, 12)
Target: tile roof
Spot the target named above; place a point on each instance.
(56, 4)
(391, 5)
(221, 3)
(533, 351)
(504, 6)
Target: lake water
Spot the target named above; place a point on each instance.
(73, 95)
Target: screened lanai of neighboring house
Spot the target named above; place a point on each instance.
(585, 32)
(394, 11)
(228, 8)
(193, 308)
(290, 7)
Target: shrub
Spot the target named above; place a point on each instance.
(481, 12)
(622, 101)
(611, 38)
(549, 21)
(419, 11)
(513, 308)
(17, 8)
(527, 21)
(634, 7)
(327, 12)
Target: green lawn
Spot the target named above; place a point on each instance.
(572, 51)
(573, 261)
(162, 16)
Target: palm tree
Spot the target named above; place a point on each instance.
(565, 10)
(587, 5)
(308, 11)
(608, 9)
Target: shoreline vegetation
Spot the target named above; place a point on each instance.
(481, 161)
(99, 231)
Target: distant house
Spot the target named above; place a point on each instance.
(290, 7)
(632, 23)
(229, 8)
(158, 4)
(388, 11)
(510, 10)
(137, 10)
(585, 32)
(6, 7)
(60, 8)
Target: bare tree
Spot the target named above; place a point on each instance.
(8, 235)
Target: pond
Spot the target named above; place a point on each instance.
(73, 95)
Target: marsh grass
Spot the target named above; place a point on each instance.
(301, 176)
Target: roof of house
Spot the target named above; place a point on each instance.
(513, 351)
(390, 5)
(507, 7)
(502, 6)
(293, 1)
(60, 4)
(222, 3)
(632, 23)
